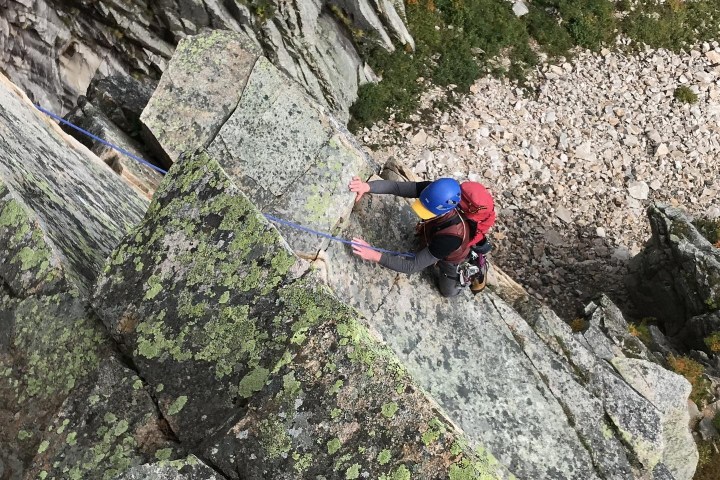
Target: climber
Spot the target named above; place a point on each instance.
(454, 223)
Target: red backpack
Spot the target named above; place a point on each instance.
(477, 205)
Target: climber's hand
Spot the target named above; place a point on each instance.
(359, 187)
(360, 249)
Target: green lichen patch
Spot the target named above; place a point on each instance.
(384, 457)
(333, 446)
(57, 344)
(27, 262)
(177, 406)
(206, 297)
(103, 440)
(312, 390)
(389, 409)
(347, 406)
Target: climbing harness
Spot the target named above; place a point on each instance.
(269, 217)
(471, 268)
(473, 271)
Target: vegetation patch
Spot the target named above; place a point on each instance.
(708, 463)
(457, 41)
(693, 372)
(673, 24)
(579, 324)
(641, 330)
(713, 342)
(709, 229)
(685, 95)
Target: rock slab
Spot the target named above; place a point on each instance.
(306, 391)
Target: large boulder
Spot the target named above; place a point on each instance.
(121, 99)
(253, 362)
(668, 392)
(177, 118)
(677, 276)
(275, 138)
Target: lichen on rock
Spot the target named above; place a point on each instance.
(236, 332)
(104, 428)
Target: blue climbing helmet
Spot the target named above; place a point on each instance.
(438, 198)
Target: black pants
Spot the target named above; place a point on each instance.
(448, 279)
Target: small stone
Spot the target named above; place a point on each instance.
(420, 138)
(654, 136)
(563, 141)
(600, 231)
(534, 151)
(553, 237)
(707, 429)
(639, 190)
(655, 184)
(520, 9)
(631, 141)
(585, 152)
(563, 214)
(713, 56)
(661, 150)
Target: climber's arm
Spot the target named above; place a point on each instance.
(419, 262)
(400, 189)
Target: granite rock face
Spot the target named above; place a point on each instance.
(314, 157)
(61, 213)
(253, 362)
(243, 361)
(177, 118)
(677, 276)
(547, 402)
(55, 49)
(82, 206)
(190, 468)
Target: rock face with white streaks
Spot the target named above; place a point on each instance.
(54, 49)
(62, 211)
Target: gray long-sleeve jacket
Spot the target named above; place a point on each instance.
(441, 246)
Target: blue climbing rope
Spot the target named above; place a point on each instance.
(96, 138)
(337, 239)
(269, 217)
